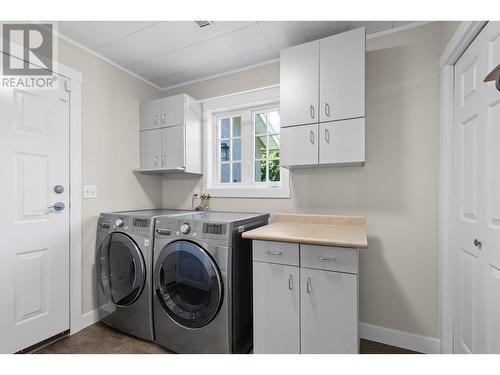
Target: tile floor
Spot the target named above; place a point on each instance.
(101, 339)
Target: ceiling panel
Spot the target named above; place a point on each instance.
(95, 34)
(281, 32)
(246, 40)
(172, 52)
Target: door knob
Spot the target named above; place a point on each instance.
(58, 206)
(59, 189)
(477, 243)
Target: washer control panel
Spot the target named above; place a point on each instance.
(214, 231)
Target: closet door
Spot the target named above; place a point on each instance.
(342, 76)
(299, 79)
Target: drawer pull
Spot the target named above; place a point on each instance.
(308, 285)
(323, 259)
(290, 282)
(274, 252)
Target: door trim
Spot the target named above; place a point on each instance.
(460, 41)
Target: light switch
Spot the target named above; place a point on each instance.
(89, 191)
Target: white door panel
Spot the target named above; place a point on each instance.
(299, 89)
(173, 147)
(276, 308)
(342, 76)
(329, 314)
(477, 197)
(299, 145)
(342, 142)
(34, 158)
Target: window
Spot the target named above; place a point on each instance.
(266, 140)
(242, 146)
(229, 141)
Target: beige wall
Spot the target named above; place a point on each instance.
(397, 189)
(110, 150)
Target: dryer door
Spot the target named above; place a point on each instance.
(188, 284)
(121, 271)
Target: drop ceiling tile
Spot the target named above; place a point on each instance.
(225, 27)
(281, 32)
(95, 34)
(259, 56)
(151, 42)
(247, 40)
(371, 26)
(149, 69)
(321, 29)
(230, 64)
(216, 49)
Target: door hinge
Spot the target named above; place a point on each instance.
(68, 86)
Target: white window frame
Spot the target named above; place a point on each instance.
(233, 105)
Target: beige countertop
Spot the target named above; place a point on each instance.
(327, 230)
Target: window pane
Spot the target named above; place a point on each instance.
(224, 172)
(236, 149)
(225, 128)
(224, 151)
(274, 170)
(261, 147)
(236, 172)
(274, 146)
(260, 171)
(236, 126)
(260, 123)
(273, 120)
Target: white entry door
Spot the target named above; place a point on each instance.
(476, 217)
(34, 251)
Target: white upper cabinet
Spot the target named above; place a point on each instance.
(299, 74)
(170, 127)
(322, 84)
(342, 76)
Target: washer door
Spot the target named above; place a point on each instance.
(121, 270)
(188, 284)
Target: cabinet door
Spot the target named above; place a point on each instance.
(299, 78)
(148, 115)
(342, 76)
(172, 145)
(329, 312)
(150, 149)
(342, 142)
(172, 110)
(276, 309)
(299, 145)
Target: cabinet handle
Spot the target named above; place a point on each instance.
(155, 119)
(327, 136)
(323, 259)
(163, 160)
(327, 110)
(308, 285)
(311, 136)
(163, 118)
(311, 111)
(290, 282)
(270, 252)
(155, 161)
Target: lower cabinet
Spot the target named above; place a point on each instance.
(328, 312)
(300, 309)
(276, 308)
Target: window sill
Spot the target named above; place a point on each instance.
(249, 192)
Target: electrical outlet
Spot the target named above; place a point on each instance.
(89, 191)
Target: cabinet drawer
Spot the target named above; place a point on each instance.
(340, 259)
(276, 252)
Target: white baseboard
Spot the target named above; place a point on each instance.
(89, 318)
(401, 339)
